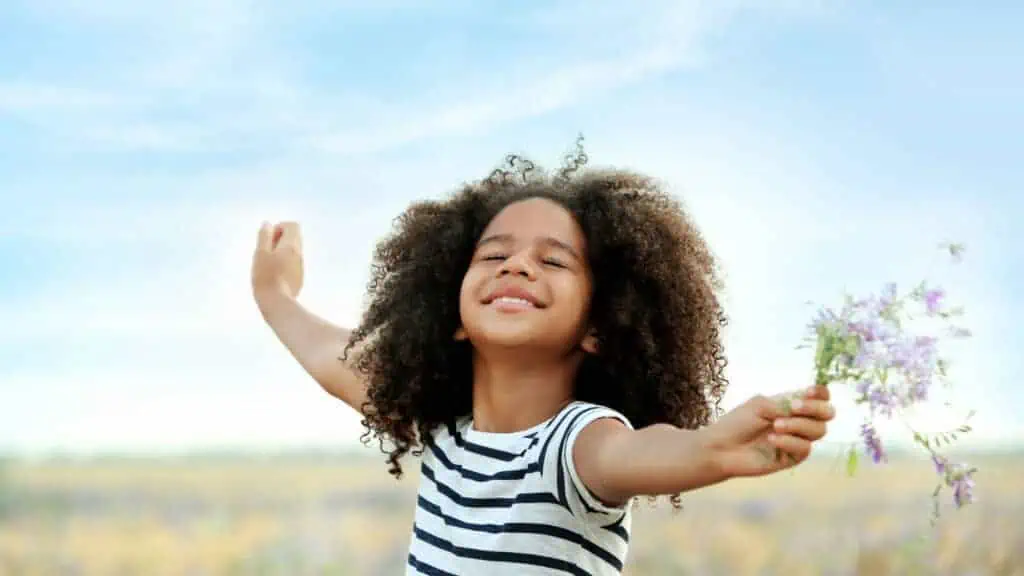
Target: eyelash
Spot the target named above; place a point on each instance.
(548, 261)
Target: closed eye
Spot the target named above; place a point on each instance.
(555, 263)
(494, 257)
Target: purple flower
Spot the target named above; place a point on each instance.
(959, 477)
(900, 354)
(963, 489)
(868, 343)
(863, 359)
(883, 401)
(863, 387)
(870, 329)
(933, 300)
(825, 317)
(919, 391)
(872, 443)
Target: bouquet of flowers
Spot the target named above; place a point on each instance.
(876, 344)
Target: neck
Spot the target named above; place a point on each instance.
(512, 394)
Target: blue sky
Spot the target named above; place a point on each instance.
(821, 145)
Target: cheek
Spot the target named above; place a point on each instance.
(467, 290)
(576, 295)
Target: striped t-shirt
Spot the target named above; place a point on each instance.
(501, 504)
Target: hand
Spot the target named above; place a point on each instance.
(765, 435)
(277, 261)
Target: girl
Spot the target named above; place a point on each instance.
(550, 345)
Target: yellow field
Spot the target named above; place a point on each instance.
(347, 516)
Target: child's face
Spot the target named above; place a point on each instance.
(529, 283)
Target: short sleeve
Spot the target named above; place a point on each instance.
(570, 490)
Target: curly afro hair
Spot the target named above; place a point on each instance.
(655, 305)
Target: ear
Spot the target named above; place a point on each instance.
(460, 334)
(590, 343)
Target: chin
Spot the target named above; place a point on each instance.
(504, 339)
(508, 335)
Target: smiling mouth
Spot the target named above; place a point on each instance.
(512, 298)
(512, 302)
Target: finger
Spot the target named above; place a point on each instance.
(264, 240)
(772, 408)
(816, 409)
(818, 393)
(289, 235)
(798, 448)
(778, 406)
(805, 428)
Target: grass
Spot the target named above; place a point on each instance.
(343, 516)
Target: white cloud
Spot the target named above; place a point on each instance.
(189, 360)
(533, 97)
(166, 357)
(185, 343)
(22, 96)
(211, 76)
(784, 235)
(274, 405)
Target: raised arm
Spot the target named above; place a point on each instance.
(761, 436)
(277, 276)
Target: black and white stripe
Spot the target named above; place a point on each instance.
(499, 504)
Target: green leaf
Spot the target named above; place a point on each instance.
(956, 249)
(851, 462)
(883, 375)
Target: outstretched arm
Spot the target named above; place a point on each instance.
(616, 463)
(277, 274)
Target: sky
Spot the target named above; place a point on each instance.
(821, 147)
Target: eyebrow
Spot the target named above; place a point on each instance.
(549, 240)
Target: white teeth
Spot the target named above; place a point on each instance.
(512, 300)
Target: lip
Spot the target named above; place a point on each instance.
(513, 291)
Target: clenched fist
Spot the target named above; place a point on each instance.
(277, 261)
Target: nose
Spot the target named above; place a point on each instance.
(520, 263)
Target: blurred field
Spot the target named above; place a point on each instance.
(344, 516)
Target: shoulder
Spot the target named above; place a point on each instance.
(577, 415)
(574, 437)
(579, 419)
